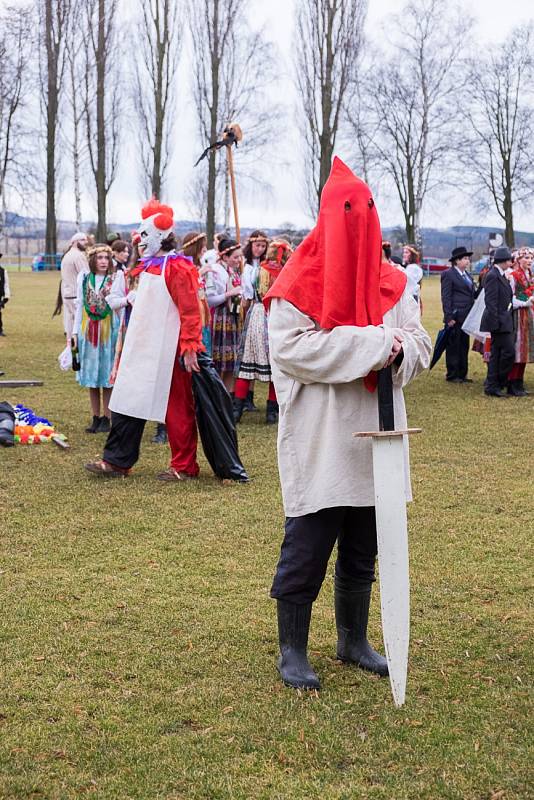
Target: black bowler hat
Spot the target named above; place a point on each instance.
(502, 254)
(459, 252)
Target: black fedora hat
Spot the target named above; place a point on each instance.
(502, 254)
(459, 252)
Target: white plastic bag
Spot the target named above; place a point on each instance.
(65, 359)
(472, 322)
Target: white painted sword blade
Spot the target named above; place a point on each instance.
(392, 535)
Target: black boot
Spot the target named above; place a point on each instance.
(160, 437)
(239, 407)
(271, 415)
(521, 387)
(7, 425)
(93, 427)
(249, 403)
(513, 390)
(352, 614)
(104, 425)
(293, 628)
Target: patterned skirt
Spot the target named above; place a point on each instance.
(225, 335)
(253, 363)
(524, 343)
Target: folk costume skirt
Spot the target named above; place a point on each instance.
(226, 333)
(253, 362)
(524, 343)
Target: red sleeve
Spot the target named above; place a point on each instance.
(182, 282)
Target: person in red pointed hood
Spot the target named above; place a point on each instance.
(338, 313)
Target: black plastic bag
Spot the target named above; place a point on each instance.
(7, 425)
(215, 420)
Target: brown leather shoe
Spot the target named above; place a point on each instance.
(103, 468)
(172, 474)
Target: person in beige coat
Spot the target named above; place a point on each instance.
(72, 264)
(337, 316)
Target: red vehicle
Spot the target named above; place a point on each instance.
(432, 266)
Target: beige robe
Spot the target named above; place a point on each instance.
(318, 376)
(73, 262)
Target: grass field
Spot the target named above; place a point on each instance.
(138, 640)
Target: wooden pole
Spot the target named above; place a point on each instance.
(234, 193)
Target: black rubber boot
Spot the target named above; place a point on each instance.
(513, 390)
(93, 427)
(239, 407)
(7, 425)
(293, 629)
(160, 437)
(249, 403)
(271, 415)
(104, 425)
(521, 387)
(352, 615)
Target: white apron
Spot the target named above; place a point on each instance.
(145, 371)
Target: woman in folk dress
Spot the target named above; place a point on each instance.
(96, 327)
(522, 281)
(223, 292)
(254, 363)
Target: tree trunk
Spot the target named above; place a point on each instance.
(51, 123)
(76, 147)
(509, 234)
(158, 131)
(327, 134)
(212, 165)
(101, 191)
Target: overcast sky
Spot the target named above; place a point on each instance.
(495, 19)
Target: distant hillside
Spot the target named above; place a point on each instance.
(437, 242)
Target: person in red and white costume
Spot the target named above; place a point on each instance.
(160, 352)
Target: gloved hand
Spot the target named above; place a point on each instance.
(130, 297)
(516, 303)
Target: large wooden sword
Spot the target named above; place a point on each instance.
(392, 535)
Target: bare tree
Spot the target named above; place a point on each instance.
(232, 67)
(413, 94)
(15, 84)
(498, 152)
(73, 129)
(55, 23)
(330, 36)
(158, 36)
(101, 101)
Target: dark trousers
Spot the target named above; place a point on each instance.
(308, 544)
(457, 353)
(124, 440)
(501, 360)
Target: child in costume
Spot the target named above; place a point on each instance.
(95, 332)
(194, 248)
(253, 254)
(164, 329)
(254, 361)
(223, 292)
(338, 313)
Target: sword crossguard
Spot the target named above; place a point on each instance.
(384, 434)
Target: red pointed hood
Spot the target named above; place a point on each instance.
(336, 276)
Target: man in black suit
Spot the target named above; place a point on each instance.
(498, 320)
(457, 298)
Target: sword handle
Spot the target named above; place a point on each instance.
(386, 414)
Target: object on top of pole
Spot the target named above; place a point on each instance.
(231, 135)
